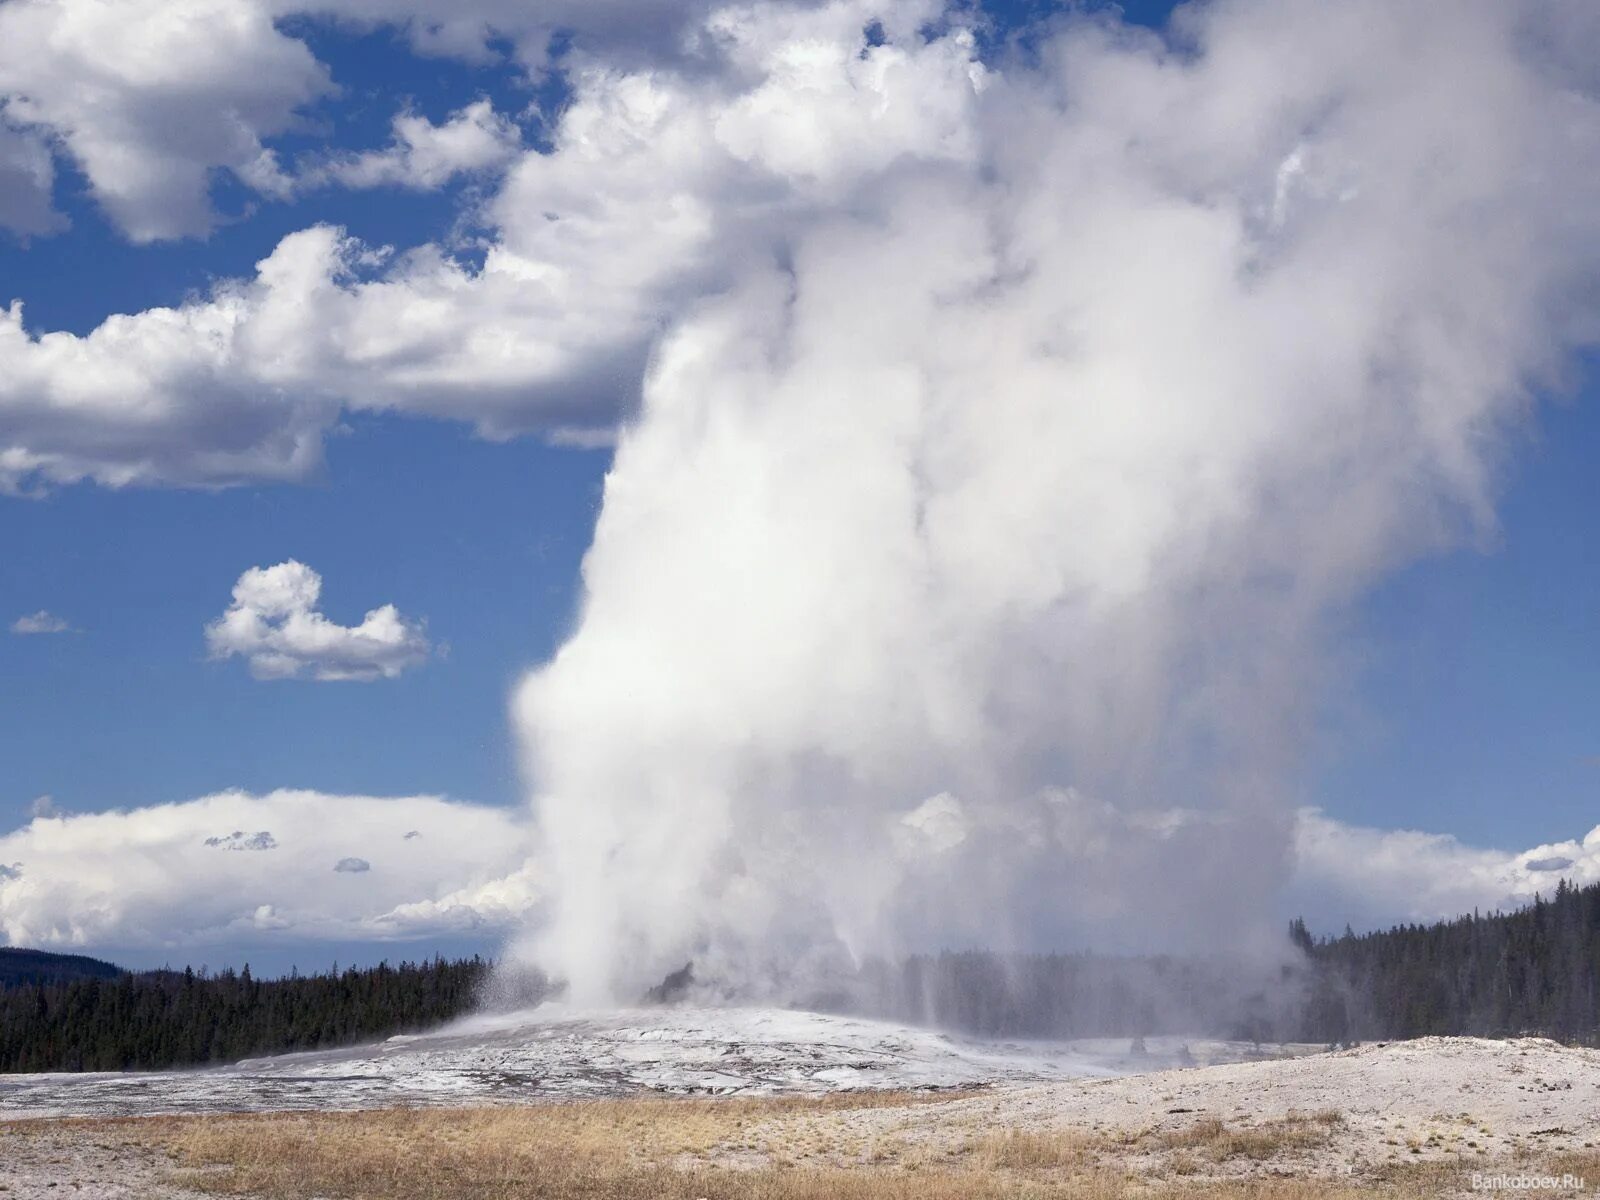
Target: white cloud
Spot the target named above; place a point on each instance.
(153, 98)
(158, 397)
(662, 185)
(42, 621)
(147, 878)
(274, 623)
(503, 903)
(150, 97)
(159, 877)
(1372, 877)
(423, 155)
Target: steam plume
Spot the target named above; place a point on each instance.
(969, 574)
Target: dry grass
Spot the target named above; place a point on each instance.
(610, 1150)
(662, 1149)
(1443, 1175)
(1213, 1139)
(1034, 1150)
(825, 1148)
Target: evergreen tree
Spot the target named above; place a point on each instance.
(165, 1019)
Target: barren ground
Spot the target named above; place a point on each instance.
(1407, 1119)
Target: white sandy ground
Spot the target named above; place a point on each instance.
(1485, 1103)
(53, 1162)
(1415, 1101)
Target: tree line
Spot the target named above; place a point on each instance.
(155, 1019)
(1532, 971)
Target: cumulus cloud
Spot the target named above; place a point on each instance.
(1036, 469)
(499, 904)
(40, 622)
(150, 97)
(150, 878)
(157, 398)
(1373, 877)
(660, 185)
(423, 155)
(273, 622)
(147, 878)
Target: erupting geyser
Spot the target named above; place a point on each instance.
(1016, 434)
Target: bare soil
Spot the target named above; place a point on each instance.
(1410, 1120)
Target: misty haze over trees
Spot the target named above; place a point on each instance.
(1535, 970)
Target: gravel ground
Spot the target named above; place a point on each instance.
(1432, 1099)
(47, 1160)
(1474, 1103)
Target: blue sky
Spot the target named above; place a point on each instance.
(483, 538)
(1468, 689)
(1477, 692)
(1474, 672)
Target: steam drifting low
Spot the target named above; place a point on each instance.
(1018, 431)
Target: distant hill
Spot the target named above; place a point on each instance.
(19, 966)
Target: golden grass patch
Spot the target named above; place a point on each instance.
(824, 1148)
(1033, 1150)
(1216, 1140)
